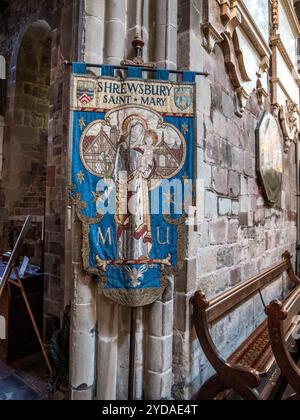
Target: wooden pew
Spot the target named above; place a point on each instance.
(248, 368)
(283, 320)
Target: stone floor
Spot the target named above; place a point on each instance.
(22, 380)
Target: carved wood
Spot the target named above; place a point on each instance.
(274, 16)
(244, 369)
(288, 112)
(278, 313)
(289, 123)
(235, 297)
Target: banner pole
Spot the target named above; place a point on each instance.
(153, 70)
(132, 353)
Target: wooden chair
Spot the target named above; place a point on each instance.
(283, 320)
(247, 369)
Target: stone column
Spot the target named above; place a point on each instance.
(107, 366)
(138, 22)
(94, 31)
(134, 23)
(108, 313)
(115, 32)
(83, 327)
(159, 343)
(83, 366)
(166, 33)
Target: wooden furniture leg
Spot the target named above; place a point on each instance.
(212, 388)
(19, 284)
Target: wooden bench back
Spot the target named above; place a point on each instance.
(227, 302)
(283, 318)
(291, 308)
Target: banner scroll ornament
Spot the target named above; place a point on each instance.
(129, 138)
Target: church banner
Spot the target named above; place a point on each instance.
(132, 177)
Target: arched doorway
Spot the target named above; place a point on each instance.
(22, 193)
(25, 154)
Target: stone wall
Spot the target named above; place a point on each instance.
(25, 187)
(238, 235)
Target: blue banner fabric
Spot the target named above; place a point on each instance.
(132, 168)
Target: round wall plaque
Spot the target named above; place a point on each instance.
(269, 159)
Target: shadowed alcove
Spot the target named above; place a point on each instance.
(25, 159)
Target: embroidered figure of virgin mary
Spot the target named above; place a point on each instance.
(135, 161)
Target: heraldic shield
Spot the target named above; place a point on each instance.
(183, 97)
(131, 162)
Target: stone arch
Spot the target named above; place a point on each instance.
(25, 148)
(39, 25)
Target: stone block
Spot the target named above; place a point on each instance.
(249, 165)
(233, 230)
(235, 208)
(159, 350)
(221, 281)
(219, 123)
(233, 133)
(107, 369)
(158, 385)
(204, 96)
(216, 98)
(160, 319)
(205, 171)
(244, 185)
(249, 270)
(234, 184)
(237, 159)
(211, 204)
(82, 368)
(84, 394)
(93, 38)
(212, 150)
(203, 230)
(259, 216)
(252, 186)
(225, 154)
(108, 321)
(235, 276)
(218, 231)
(244, 204)
(224, 206)
(94, 8)
(182, 316)
(220, 180)
(225, 257)
(191, 275)
(227, 105)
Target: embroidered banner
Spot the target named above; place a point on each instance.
(132, 171)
